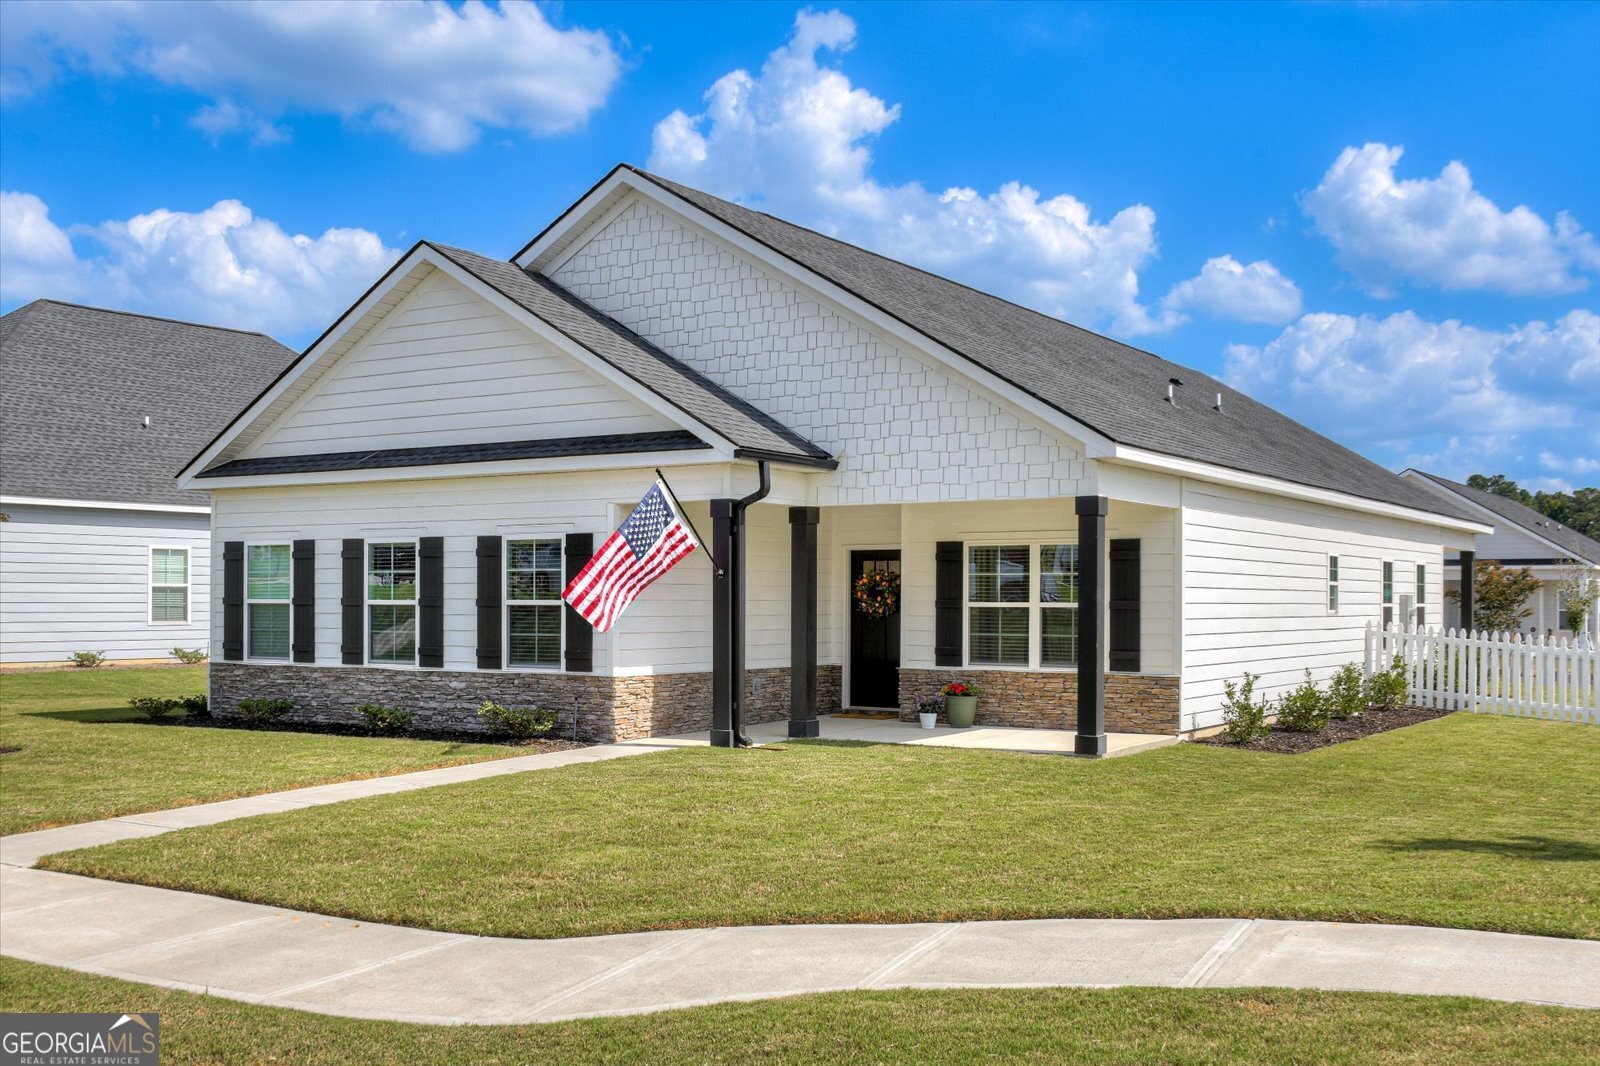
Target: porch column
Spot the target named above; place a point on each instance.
(803, 621)
(724, 603)
(1093, 602)
(1468, 560)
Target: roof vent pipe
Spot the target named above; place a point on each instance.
(1172, 391)
(1219, 403)
(146, 424)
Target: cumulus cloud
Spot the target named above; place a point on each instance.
(794, 139)
(1442, 231)
(222, 266)
(1257, 292)
(433, 74)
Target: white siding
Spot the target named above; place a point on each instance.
(445, 368)
(907, 430)
(78, 579)
(1255, 589)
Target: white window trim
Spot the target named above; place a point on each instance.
(368, 601)
(1392, 604)
(248, 600)
(1033, 542)
(1333, 581)
(150, 585)
(506, 603)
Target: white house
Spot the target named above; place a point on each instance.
(100, 551)
(1522, 537)
(1096, 535)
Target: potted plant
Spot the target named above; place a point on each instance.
(928, 708)
(961, 703)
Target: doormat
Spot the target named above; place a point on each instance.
(876, 717)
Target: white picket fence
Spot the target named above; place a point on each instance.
(1493, 673)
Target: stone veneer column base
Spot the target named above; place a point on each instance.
(606, 708)
(1135, 703)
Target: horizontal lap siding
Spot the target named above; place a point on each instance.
(1255, 589)
(77, 579)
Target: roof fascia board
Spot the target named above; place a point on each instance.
(108, 505)
(1416, 476)
(1276, 487)
(558, 465)
(1095, 444)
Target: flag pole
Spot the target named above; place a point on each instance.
(673, 496)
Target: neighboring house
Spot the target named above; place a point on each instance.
(100, 551)
(438, 463)
(1521, 537)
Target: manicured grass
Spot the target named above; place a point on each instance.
(1463, 821)
(1025, 1025)
(84, 755)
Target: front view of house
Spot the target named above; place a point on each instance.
(397, 515)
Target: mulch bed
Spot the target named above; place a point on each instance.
(1337, 731)
(534, 746)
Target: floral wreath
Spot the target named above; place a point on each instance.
(877, 593)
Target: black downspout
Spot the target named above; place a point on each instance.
(727, 615)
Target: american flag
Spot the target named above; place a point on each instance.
(651, 541)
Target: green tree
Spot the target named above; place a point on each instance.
(1499, 595)
(1578, 509)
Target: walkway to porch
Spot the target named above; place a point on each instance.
(893, 731)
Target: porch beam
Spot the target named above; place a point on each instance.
(1468, 560)
(803, 621)
(1093, 603)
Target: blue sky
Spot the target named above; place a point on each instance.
(1380, 218)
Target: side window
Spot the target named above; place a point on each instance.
(267, 601)
(1388, 594)
(1333, 584)
(169, 585)
(1422, 595)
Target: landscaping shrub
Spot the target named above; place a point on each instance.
(517, 722)
(1304, 709)
(1243, 718)
(190, 656)
(86, 660)
(1386, 690)
(154, 708)
(1347, 692)
(385, 721)
(196, 706)
(264, 711)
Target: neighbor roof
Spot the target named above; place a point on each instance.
(78, 383)
(1570, 540)
(1115, 389)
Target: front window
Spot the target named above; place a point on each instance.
(392, 603)
(169, 585)
(997, 596)
(1058, 605)
(533, 603)
(267, 569)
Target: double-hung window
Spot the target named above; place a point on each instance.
(1388, 594)
(392, 602)
(1422, 595)
(1015, 620)
(267, 600)
(169, 585)
(533, 603)
(1333, 584)
(1058, 605)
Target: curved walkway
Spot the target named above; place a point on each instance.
(313, 962)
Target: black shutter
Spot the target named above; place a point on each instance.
(304, 601)
(947, 603)
(430, 602)
(489, 603)
(233, 600)
(580, 634)
(353, 602)
(1124, 596)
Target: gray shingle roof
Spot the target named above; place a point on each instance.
(1113, 388)
(735, 419)
(1575, 544)
(76, 384)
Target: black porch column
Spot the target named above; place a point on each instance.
(803, 622)
(1468, 560)
(1093, 601)
(724, 605)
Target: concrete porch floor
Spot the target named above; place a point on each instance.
(891, 731)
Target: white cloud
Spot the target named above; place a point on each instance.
(222, 266)
(1441, 231)
(1228, 289)
(794, 139)
(225, 117)
(433, 74)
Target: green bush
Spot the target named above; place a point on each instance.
(190, 656)
(196, 706)
(86, 660)
(264, 711)
(385, 721)
(154, 708)
(519, 723)
(1386, 690)
(1304, 709)
(1347, 692)
(1243, 717)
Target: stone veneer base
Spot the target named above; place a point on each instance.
(1135, 703)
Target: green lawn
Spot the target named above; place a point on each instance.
(1029, 1025)
(83, 755)
(1465, 821)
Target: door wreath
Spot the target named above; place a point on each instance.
(877, 593)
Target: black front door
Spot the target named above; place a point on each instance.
(874, 640)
